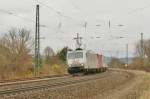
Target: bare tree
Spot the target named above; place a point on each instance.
(116, 63)
(146, 49)
(142, 61)
(18, 41)
(48, 53)
(16, 47)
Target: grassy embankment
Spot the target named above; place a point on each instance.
(144, 87)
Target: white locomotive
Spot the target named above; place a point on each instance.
(83, 61)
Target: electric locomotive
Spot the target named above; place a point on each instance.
(83, 61)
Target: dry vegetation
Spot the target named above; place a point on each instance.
(142, 61)
(54, 67)
(140, 64)
(116, 63)
(16, 57)
(54, 64)
(144, 88)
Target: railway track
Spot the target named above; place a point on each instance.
(33, 78)
(51, 84)
(30, 83)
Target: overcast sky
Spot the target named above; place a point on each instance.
(64, 18)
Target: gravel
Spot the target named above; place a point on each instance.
(95, 89)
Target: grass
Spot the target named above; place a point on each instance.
(55, 69)
(144, 88)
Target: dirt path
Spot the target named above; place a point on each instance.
(128, 90)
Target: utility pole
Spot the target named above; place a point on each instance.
(142, 46)
(127, 56)
(37, 42)
(109, 24)
(85, 26)
(142, 49)
(78, 40)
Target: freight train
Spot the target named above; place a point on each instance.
(85, 61)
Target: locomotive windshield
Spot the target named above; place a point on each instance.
(71, 56)
(75, 55)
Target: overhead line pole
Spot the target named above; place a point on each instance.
(127, 56)
(85, 25)
(142, 46)
(78, 41)
(142, 50)
(37, 42)
(38, 39)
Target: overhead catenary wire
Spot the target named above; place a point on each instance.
(60, 13)
(115, 18)
(131, 12)
(26, 19)
(76, 7)
(14, 14)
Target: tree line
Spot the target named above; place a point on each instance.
(141, 59)
(17, 55)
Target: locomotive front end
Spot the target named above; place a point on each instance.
(75, 61)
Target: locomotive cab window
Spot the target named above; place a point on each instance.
(75, 55)
(71, 56)
(79, 55)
